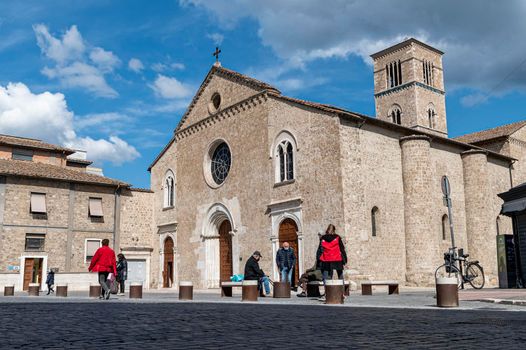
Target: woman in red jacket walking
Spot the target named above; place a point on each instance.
(331, 253)
(104, 263)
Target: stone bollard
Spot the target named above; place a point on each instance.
(34, 289)
(313, 289)
(136, 290)
(94, 290)
(281, 290)
(447, 291)
(186, 290)
(62, 291)
(9, 291)
(249, 291)
(334, 291)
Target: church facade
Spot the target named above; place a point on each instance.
(249, 168)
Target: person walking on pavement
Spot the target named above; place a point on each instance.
(104, 263)
(286, 261)
(332, 254)
(253, 272)
(122, 272)
(50, 281)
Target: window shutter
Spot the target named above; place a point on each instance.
(91, 247)
(38, 203)
(95, 207)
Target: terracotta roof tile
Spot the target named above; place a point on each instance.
(23, 142)
(53, 172)
(500, 131)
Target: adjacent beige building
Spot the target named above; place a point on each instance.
(54, 212)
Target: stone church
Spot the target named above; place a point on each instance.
(248, 168)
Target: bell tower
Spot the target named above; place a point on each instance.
(409, 86)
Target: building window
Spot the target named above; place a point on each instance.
(169, 190)
(91, 247)
(393, 74)
(35, 242)
(285, 157)
(431, 117)
(22, 154)
(374, 218)
(215, 103)
(428, 72)
(221, 161)
(396, 114)
(445, 227)
(95, 207)
(38, 203)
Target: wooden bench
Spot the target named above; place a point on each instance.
(367, 286)
(313, 288)
(226, 288)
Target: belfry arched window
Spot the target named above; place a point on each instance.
(395, 114)
(431, 116)
(169, 189)
(285, 157)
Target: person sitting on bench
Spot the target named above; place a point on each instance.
(312, 274)
(253, 272)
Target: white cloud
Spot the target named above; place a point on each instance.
(170, 88)
(46, 116)
(105, 60)
(135, 65)
(178, 66)
(162, 67)
(482, 39)
(83, 75)
(217, 38)
(71, 66)
(71, 47)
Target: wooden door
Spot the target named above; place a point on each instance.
(168, 271)
(288, 232)
(32, 271)
(28, 272)
(225, 251)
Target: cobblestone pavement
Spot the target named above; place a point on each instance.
(148, 325)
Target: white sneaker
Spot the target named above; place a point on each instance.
(120, 294)
(321, 298)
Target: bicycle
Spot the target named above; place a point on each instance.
(466, 271)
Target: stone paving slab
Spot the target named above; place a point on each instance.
(202, 325)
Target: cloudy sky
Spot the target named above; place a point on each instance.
(114, 77)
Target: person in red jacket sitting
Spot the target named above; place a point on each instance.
(331, 253)
(104, 263)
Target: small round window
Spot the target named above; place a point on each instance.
(215, 103)
(220, 164)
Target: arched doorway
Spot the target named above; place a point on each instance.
(288, 232)
(168, 270)
(225, 251)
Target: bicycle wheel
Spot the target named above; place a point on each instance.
(475, 275)
(447, 270)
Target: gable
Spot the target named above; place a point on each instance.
(232, 88)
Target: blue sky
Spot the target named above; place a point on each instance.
(114, 77)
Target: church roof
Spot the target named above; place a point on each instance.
(23, 142)
(403, 44)
(233, 75)
(491, 134)
(30, 169)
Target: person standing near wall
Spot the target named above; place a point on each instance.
(332, 253)
(122, 272)
(50, 281)
(286, 260)
(104, 263)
